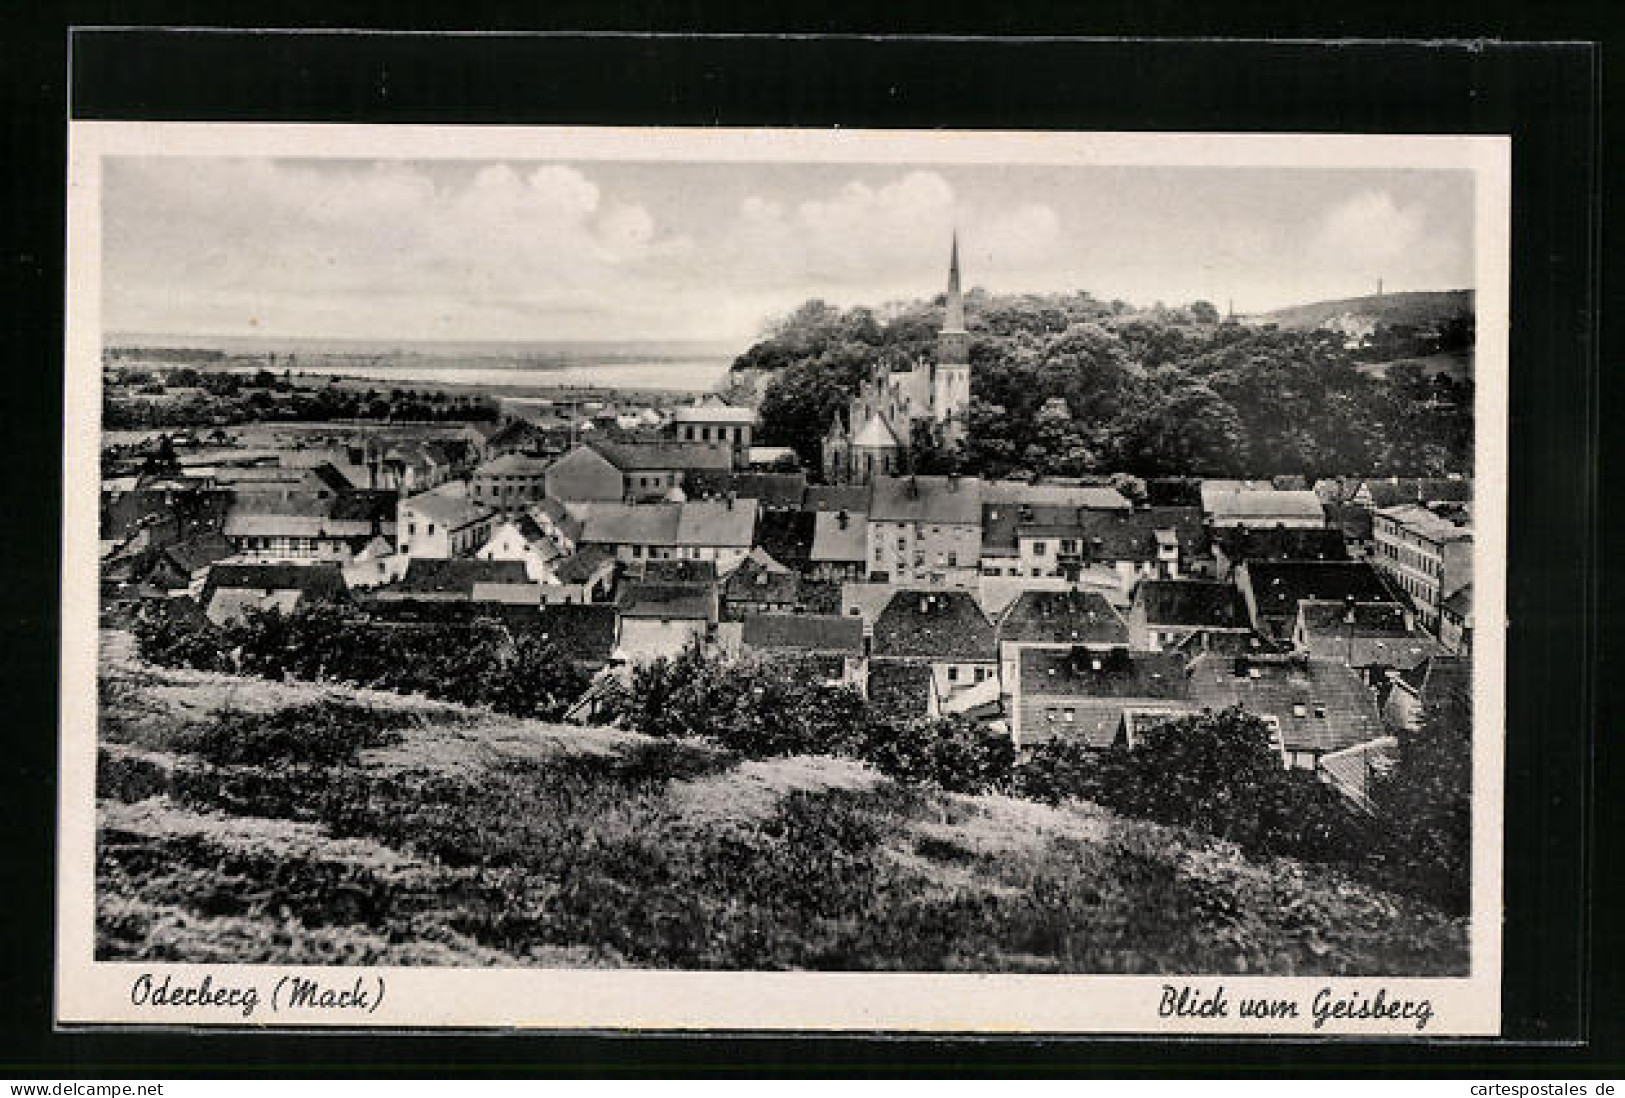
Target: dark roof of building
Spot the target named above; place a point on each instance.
(1317, 705)
(949, 500)
(900, 688)
(365, 505)
(583, 564)
(665, 600)
(330, 478)
(1353, 520)
(630, 457)
(937, 625)
(1194, 604)
(753, 581)
(1207, 642)
(804, 632)
(1364, 634)
(585, 630)
(778, 491)
(1401, 490)
(191, 554)
(314, 581)
(1062, 617)
(1278, 586)
(1440, 676)
(1460, 603)
(836, 497)
(1132, 535)
(1174, 492)
(1240, 543)
(1116, 673)
(426, 575)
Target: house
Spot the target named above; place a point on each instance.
(1090, 497)
(1167, 613)
(509, 483)
(1372, 638)
(650, 470)
(1061, 620)
(1355, 771)
(760, 585)
(1093, 697)
(590, 571)
(516, 436)
(1106, 551)
(716, 422)
(230, 590)
(441, 525)
(822, 637)
(840, 542)
(375, 564)
(1272, 590)
(852, 498)
(719, 532)
(924, 528)
(1232, 545)
(942, 629)
(583, 474)
(521, 538)
(1262, 508)
(1428, 556)
(1428, 684)
(1456, 621)
(1313, 707)
(661, 621)
(771, 491)
(558, 523)
(773, 459)
(429, 579)
(180, 566)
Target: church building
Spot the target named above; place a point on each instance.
(871, 437)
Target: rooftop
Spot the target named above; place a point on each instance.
(839, 536)
(952, 500)
(453, 512)
(632, 457)
(1187, 603)
(804, 632)
(1278, 586)
(1263, 505)
(937, 625)
(1063, 617)
(1318, 705)
(1117, 673)
(1240, 543)
(1418, 520)
(426, 575)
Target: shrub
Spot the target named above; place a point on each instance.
(1426, 801)
(1058, 770)
(956, 753)
(537, 680)
(320, 734)
(167, 635)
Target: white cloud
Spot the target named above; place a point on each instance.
(1370, 227)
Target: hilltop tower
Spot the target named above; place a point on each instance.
(950, 377)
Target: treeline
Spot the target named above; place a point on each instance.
(218, 397)
(1070, 385)
(505, 667)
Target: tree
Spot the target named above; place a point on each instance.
(1427, 801)
(538, 680)
(956, 753)
(1203, 312)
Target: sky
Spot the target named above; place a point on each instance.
(473, 250)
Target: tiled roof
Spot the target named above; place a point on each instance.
(425, 575)
(194, 553)
(1419, 520)
(1241, 543)
(1095, 497)
(1365, 635)
(1438, 677)
(453, 512)
(713, 413)
(1117, 535)
(583, 565)
(1264, 505)
(804, 632)
(836, 497)
(840, 537)
(949, 500)
(1173, 492)
(512, 464)
(1461, 603)
(630, 524)
(1318, 705)
(709, 523)
(661, 600)
(323, 581)
(699, 573)
(1063, 617)
(1189, 603)
(1278, 586)
(1117, 673)
(937, 625)
(631, 457)
(775, 490)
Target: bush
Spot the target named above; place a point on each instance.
(167, 635)
(538, 680)
(956, 753)
(320, 734)
(1058, 770)
(1426, 801)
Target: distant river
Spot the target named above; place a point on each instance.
(694, 374)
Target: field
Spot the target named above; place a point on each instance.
(1458, 365)
(255, 822)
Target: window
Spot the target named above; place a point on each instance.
(1068, 545)
(953, 674)
(430, 529)
(1071, 715)
(902, 544)
(411, 528)
(1051, 715)
(981, 674)
(1038, 548)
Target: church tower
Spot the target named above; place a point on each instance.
(950, 380)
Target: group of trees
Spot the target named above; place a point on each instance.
(1069, 385)
(197, 397)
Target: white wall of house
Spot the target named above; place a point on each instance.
(647, 639)
(949, 554)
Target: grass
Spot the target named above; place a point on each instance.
(305, 824)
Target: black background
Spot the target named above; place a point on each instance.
(1558, 880)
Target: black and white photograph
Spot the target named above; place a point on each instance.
(772, 579)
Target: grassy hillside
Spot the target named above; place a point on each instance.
(1457, 365)
(1415, 308)
(249, 821)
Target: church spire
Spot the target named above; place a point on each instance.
(954, 318)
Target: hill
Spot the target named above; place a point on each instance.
(1414, 309)
(242, 820)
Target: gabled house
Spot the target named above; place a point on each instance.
(834, 643)
(1313, 707)
(716, 422)
(1235, 545)
(944, 630)
(429, 579)
(924, 529)
(441, 525)
(1273, 589)
(760, 585)
(586, 632)
(660, 621)
(1094, 697)
(1429, 683)
(1060, 621)
(509, 483)
(230, 590)
(1167, 613)
(840, 539)
(1456, 621)
(1266, 508)
(1372, 638)
(520, 538)
(651, 470)
(584, 475)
